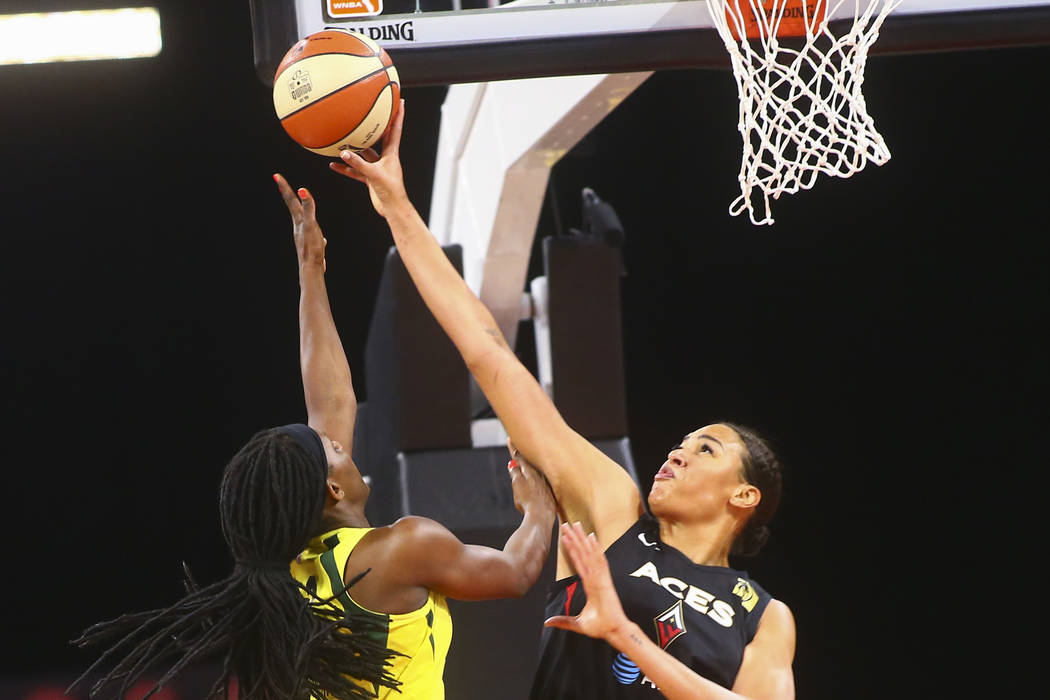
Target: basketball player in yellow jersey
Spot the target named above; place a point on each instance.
(362, 612)
(420, 638)
(411, 566)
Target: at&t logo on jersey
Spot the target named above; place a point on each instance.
(670, 625)
(624, 670)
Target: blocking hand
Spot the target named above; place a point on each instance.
(382, 173)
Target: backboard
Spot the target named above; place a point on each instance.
(443, 42)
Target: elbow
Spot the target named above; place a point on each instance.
(527, 575)
(518, 581)
(521, 586)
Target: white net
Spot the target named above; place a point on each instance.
(802, 112)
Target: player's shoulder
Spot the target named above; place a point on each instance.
(777, 620)
(413, 539)
(414, 524)
(413, 546)
(413, 532)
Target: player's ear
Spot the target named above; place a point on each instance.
(335, 491)
(746, 496)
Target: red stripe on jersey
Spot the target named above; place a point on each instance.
(569, 591)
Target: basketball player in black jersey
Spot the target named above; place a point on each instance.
(698, 628)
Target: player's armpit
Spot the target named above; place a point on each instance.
(765, 672)
(430, 555)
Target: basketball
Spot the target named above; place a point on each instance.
(336, 90)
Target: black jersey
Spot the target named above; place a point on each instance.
(702, 615)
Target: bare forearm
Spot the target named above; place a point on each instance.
(675, 680)
(526, 412)
(326, 374)
(466, 320)
(529, 546)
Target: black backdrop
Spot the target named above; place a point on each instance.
(886, 333)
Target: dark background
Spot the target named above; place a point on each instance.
(886, 334)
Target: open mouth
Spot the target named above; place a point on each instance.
(664, 473)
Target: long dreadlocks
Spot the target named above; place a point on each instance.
(277, 643)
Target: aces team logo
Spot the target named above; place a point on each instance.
(670, 625)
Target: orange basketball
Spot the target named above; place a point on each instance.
(336, 90)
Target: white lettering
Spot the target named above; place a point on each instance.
(647, 570)
(670, 583)
(648, 682)
(722, 613)
(645, 541)
(698, 599)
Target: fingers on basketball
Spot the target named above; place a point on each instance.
(347, 171)
(392, 137)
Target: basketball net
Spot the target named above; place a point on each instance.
(802, 112)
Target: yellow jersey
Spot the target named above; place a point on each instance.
(423, 635)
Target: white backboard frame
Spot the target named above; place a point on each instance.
(534, 38)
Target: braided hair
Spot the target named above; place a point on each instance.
(277, 643)
(761, 469)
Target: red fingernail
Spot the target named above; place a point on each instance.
(275, 177)
(512, 463)
(303, 194)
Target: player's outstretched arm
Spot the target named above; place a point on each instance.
(766, 675)
(331, 405)
(588, 485)
(431, 556)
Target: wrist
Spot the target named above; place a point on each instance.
(624, 635)
(538, 509)
(311, 263)
(399, 207)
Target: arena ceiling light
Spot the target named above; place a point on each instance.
(83, 35)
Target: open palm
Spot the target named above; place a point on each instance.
(603, 613)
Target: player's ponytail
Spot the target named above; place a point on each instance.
(255, 622)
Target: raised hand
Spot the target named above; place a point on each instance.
(530, 487)
(382, 173)
(309, 241)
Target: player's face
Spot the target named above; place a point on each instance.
(700, 476)
(343, 471)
